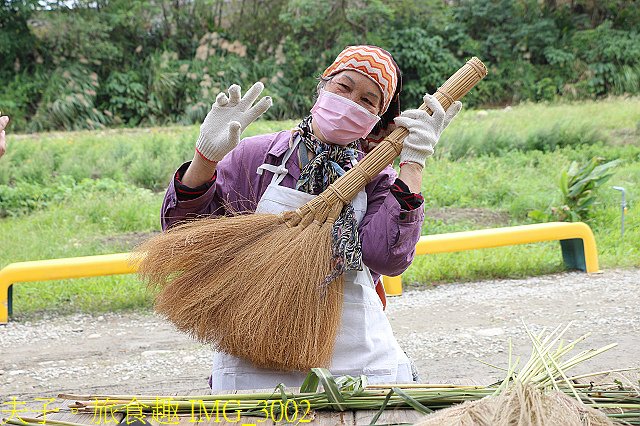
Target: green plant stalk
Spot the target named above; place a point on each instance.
(542, 353)
(539, 349)
(533, 366)
(441, 398)
(510, 372)
(587, 355)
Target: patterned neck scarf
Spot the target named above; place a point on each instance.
(328, 164)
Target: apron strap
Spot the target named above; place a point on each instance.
(276, 170)
(280, 172)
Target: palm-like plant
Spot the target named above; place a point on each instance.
(578, 184)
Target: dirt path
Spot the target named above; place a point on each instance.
(445, 329)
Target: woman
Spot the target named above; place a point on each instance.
(358, 97)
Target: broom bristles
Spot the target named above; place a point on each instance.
(248, 302)
(186, 248)
(286, 304)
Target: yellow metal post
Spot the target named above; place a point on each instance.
(392, 285)
(59, 269)
(507, 236)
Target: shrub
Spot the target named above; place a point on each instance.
(610, 59)
(578, 185)
(126, 97)
(69, 101)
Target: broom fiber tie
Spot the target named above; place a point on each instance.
(321, 216)
(301, 212)
(339, 194)
(363, 173)
(446, 95)
(290, 223)
(477, 67)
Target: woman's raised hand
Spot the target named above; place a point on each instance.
(424, 129)
(229, 116)
(4, 120)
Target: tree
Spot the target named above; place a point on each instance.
(17, 43)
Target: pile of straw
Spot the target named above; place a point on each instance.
(520, 406)
(541, 393)
(251, 284)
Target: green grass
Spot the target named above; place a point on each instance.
(69, 216)
(84, 225)
(542, 126)
(86, 193)
(144, 157)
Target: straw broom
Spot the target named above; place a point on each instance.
(251, 284)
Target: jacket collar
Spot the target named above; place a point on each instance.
(280, 143)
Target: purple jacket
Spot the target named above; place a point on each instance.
(388, 233)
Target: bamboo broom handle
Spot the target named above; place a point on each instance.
(345, 188)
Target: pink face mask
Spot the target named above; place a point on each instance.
(341, 120)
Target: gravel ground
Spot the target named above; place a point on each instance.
(445, 329)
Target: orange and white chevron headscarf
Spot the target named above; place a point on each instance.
(372, 61)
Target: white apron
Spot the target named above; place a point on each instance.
(365, 343)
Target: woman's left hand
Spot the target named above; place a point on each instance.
(424, 129)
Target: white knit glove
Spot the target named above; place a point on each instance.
(229, 116)
(4, 120)
(424, 129)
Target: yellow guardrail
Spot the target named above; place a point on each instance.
(578, 249)
(576, 238)
(59, 269)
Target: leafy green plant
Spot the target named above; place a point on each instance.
(69, 101)
(19, 95)
(611, 59)
(16, 39)
(578, 184)
(127, 97)
(424, 61)
(163, 85)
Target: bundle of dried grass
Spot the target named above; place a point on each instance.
(521, 405)
(540, 393)
(230, 281)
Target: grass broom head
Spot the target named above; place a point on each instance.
(252, 285)
(521, 405)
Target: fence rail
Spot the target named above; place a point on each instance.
(577, 242)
